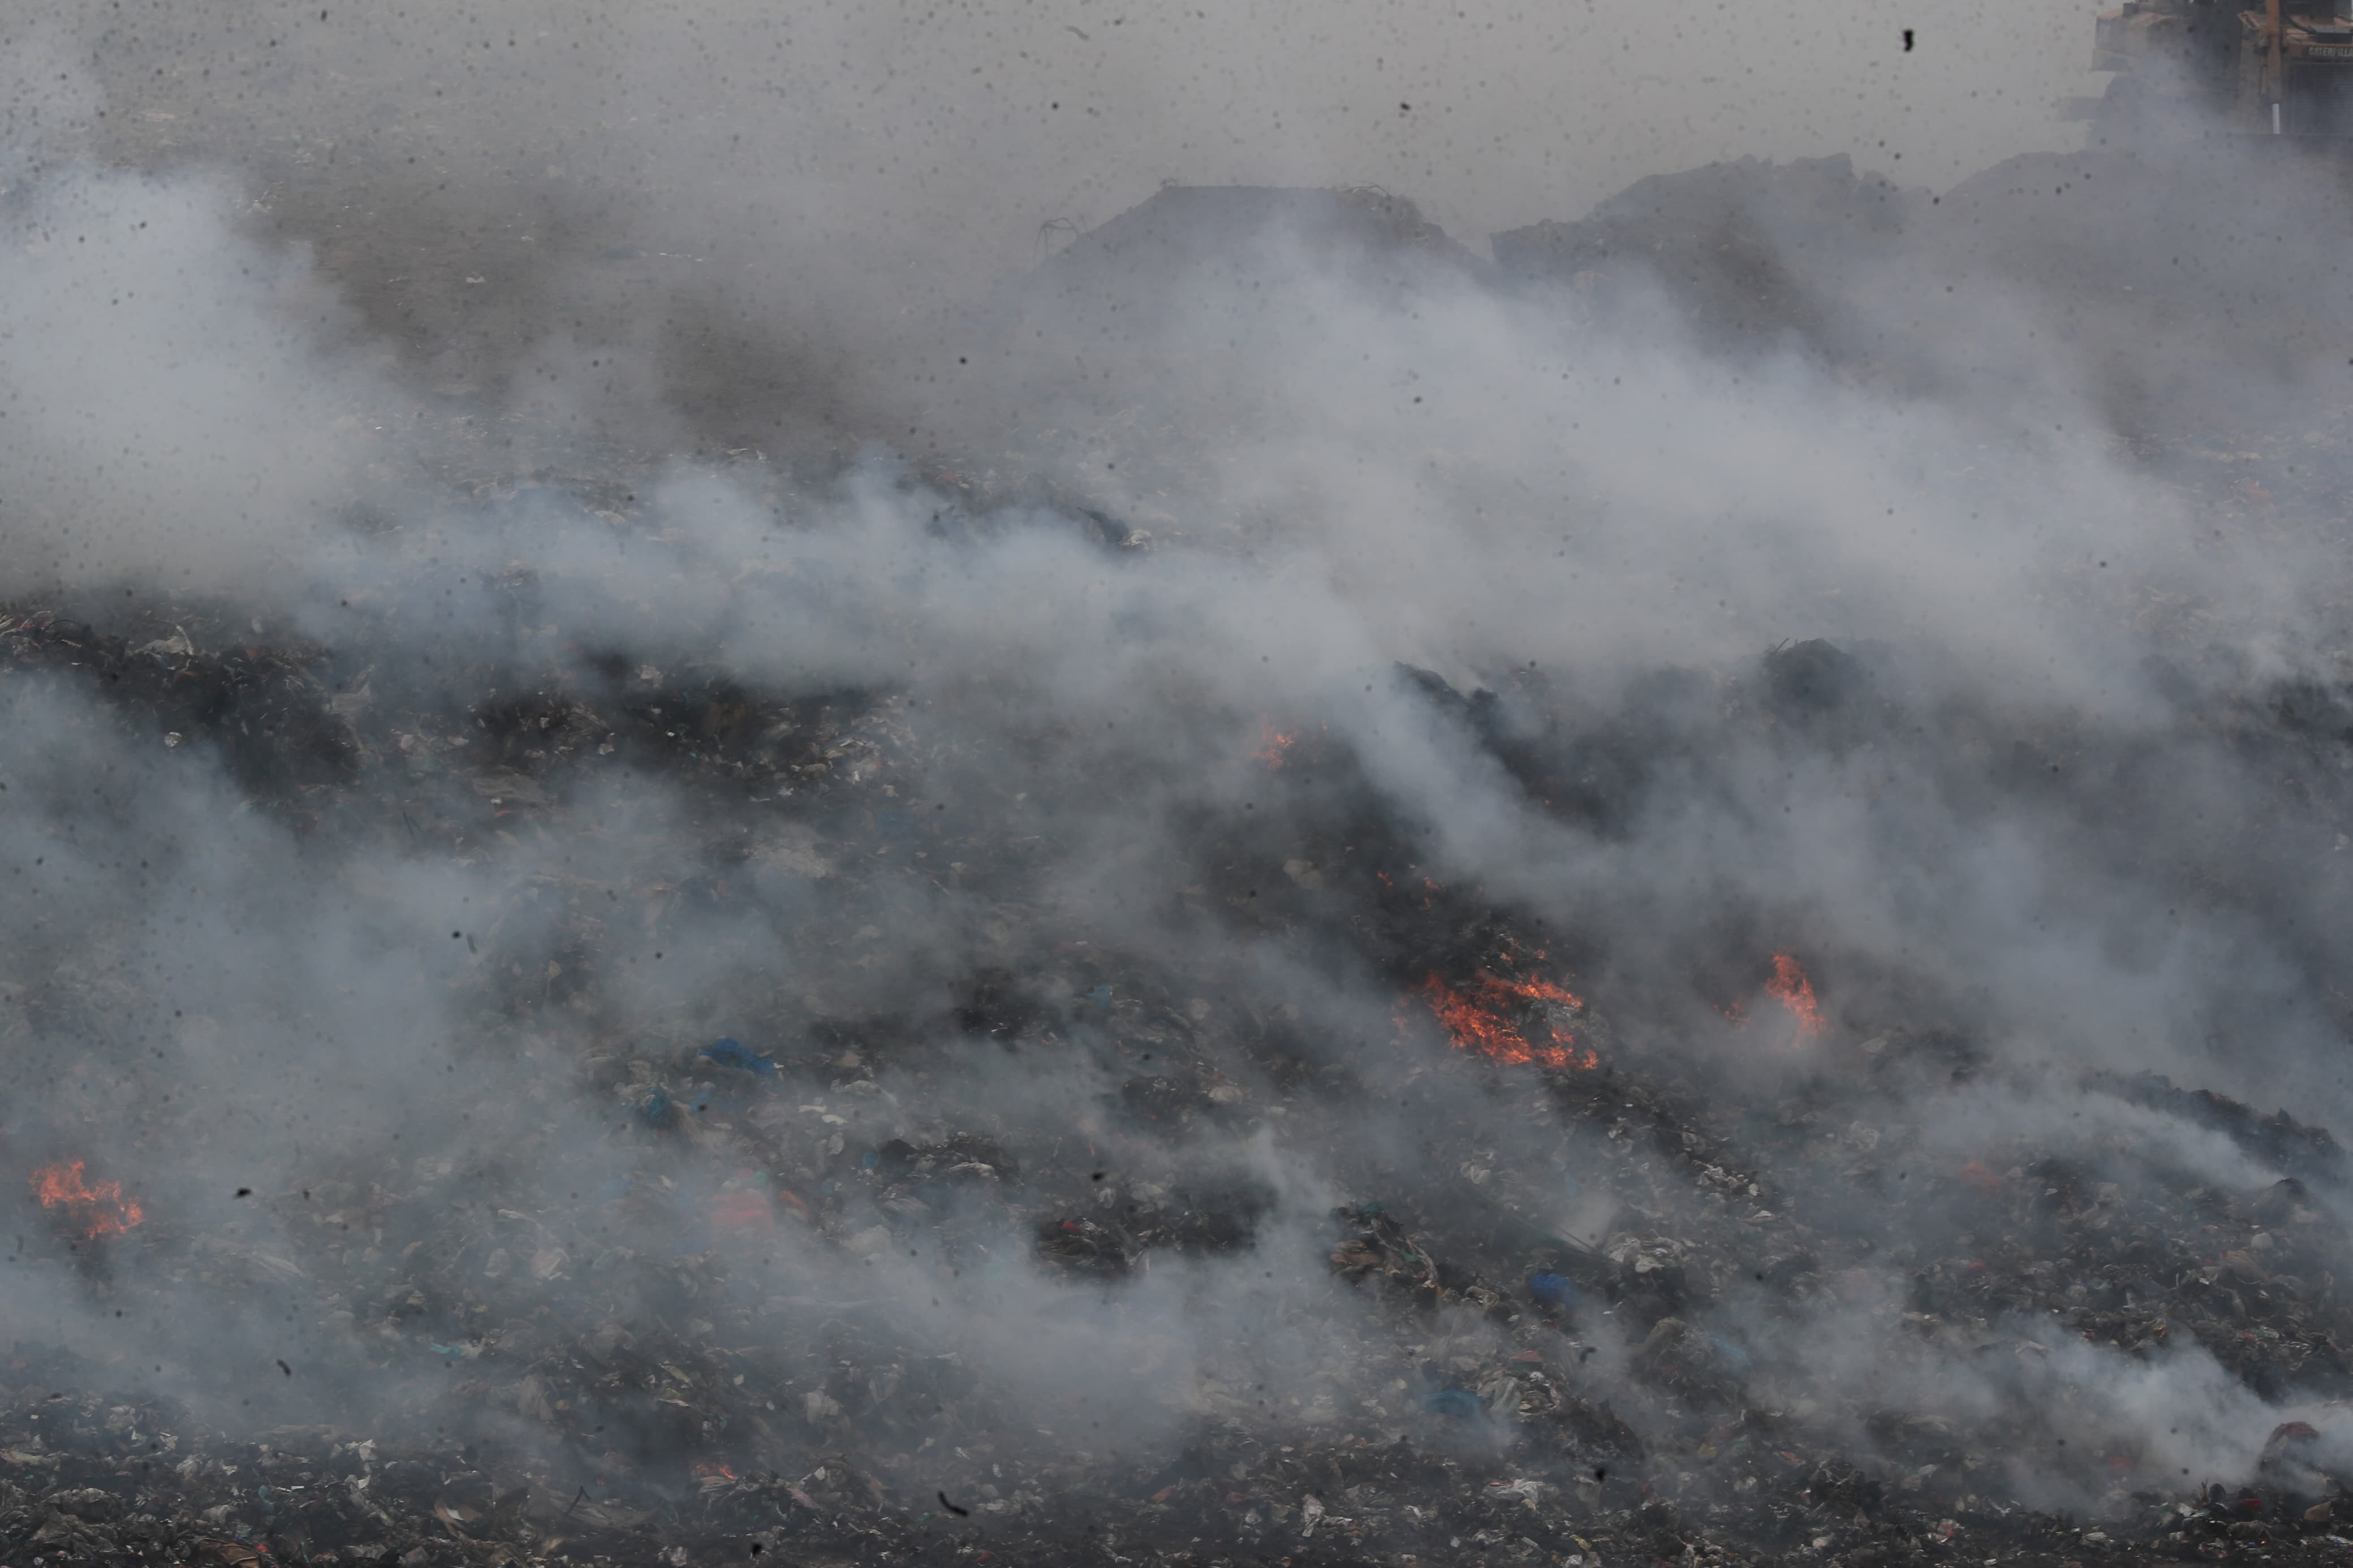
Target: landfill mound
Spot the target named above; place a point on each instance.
(1183, 229)
(1161, 297)
(1757, 253)
(691, 1013)
(2178, 285)
(1482, 1382)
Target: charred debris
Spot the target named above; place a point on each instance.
(1490, 1389)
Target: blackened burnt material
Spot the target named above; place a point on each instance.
(2278, 1140)
(272, 723)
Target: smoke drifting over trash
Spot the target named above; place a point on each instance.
(1247, 881)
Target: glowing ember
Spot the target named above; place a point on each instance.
(1790, 988)
(1486, 1015)
(95, 1208)
(1273, 745)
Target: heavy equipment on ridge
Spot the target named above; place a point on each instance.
(2283, 69)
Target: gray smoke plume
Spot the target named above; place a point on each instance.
(638, 724)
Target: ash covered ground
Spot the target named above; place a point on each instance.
(1277, 891)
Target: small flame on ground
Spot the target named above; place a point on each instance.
(97, 1208)
(1273, 747)
(1481, 1016)
(1790, 988)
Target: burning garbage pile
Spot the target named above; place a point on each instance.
(1480, 1017)
(86, 1208)
(1607, 1310)
(864, 1011)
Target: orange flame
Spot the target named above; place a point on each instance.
(1273, 745)
(1479, 1017)
(1790, 988)
(99, 1208)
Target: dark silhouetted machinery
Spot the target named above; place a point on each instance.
(2284, 68)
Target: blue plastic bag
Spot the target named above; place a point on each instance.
(730, 1053)
(1556, 1291)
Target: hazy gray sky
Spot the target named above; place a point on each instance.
(996, 116)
